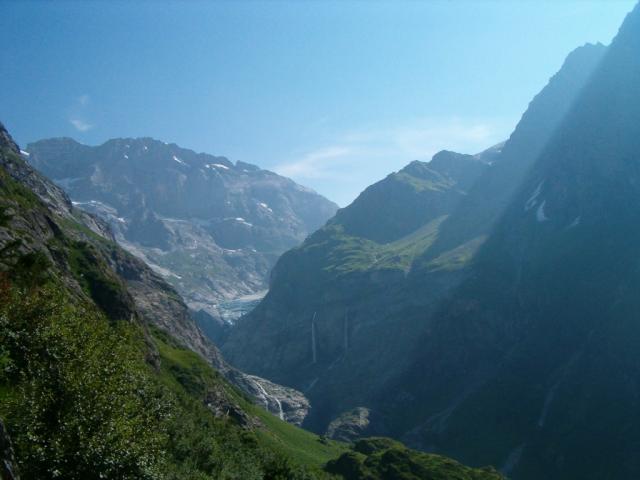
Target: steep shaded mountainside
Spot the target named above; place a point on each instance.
(211, 228)
(380, 265)
(97, 380)
(485, 307)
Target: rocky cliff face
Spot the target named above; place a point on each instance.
(81, 245)
(209, 227)
(347, 310)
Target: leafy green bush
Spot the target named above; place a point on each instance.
(386, 459)
(82, 405)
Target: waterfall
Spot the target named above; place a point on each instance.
(346, 331)
(313, 337)
(266, 397)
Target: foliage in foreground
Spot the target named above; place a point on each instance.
(386, 459)
(81, 403)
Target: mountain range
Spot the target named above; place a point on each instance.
(482, 306)
(105, 375)
(399, 249)
(211, 228)
(479, 307)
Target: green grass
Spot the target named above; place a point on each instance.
(456, 258)
(184, 369)
(345, 254)
(422, 184)
(402, 252)
(303, 447)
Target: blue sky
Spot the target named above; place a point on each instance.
(333, 94)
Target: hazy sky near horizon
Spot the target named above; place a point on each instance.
(335, 95)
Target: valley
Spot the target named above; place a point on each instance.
(106, 375)
(471, 314)
(212, 249)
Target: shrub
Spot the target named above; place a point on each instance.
(82, 407)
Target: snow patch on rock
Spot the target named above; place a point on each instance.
(176, 159)
(265, 206)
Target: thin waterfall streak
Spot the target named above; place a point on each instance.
(313, 337)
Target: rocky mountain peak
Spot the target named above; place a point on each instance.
(6, 141)
(629, 33)
(210, 227)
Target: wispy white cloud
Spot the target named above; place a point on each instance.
(360, 157)
(424, 140)
(84, 99)
(316, 163)
(80, 125)
(424, 137)
(78, 113)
